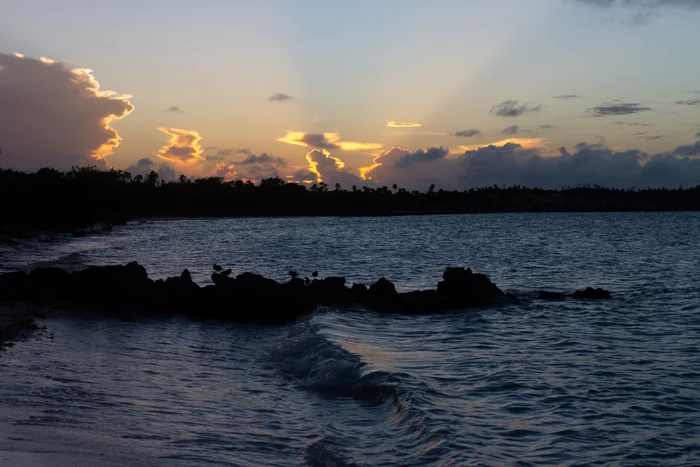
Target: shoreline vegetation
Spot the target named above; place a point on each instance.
(85, 200)
(128, 290)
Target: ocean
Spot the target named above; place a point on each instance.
(614, 382)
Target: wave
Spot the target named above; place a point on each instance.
(319, 365)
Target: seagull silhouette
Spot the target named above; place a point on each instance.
(218, 268)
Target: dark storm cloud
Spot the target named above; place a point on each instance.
(590, 164)
(263, 158)
(318, 141)
(52, 115)
(566, 97)
(623, 108)
(174, 109)
(468, 133)
(511, 130)
(689, 150)
(280, 97)
(689, 102)
(420, 156)
(512, 108)
(145, 166)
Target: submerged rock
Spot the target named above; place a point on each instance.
(592, 294)
(546, 295)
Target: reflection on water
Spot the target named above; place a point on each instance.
(540, 383)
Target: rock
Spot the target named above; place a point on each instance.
(460, 288)
(330, 291)
(546, 295)
(111, 284)
(420, 301)
(359, 293)
(13, 286)
(383, 295)
(592, 294)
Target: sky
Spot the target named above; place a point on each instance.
(453, 93)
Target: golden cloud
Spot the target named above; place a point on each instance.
(325, 141)
(183, 147)
(392, 124)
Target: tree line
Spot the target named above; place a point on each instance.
(52, 199)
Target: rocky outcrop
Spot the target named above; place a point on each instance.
(250, 297)
(592, 294)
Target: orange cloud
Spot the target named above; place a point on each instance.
(525, 143)
(325, 141)
(183, 147)
(225, 171)
(55, 116)
(403, 124)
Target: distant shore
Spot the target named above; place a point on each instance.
(85, 197)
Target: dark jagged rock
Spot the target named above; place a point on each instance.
(420, 301)
(592, 294)
(247, 297)
(359, 293)
(383, 295)
(460, 288)
(111, 284)
(13, 286)
(330, 291)
(546, 295)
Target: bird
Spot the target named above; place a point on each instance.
(226, 272)
(293, 274)
(217, 268)
(314, 274)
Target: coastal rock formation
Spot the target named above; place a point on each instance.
(250, 297)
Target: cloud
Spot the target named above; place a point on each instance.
(653, 137)
(697, 135)
(328, 169)
(618, 109)
(633, 124)
(468, 133)
(689, 102)
(392, 124)
(144, 166)
(689, 150)
(512, 108)
(263, 158)
(549, 127)
(687, 4)
(183, 147)
(420, 156)
(328, 141)
(52, 115)
(511, 130)
(281, 97)
(225, 171)
(174, 109)
(413, 169)
(566, 97)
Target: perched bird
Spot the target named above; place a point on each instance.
(218, 268)
(226, 272)
(293, 274)
(314, 274)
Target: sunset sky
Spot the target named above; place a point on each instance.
(590, 91)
